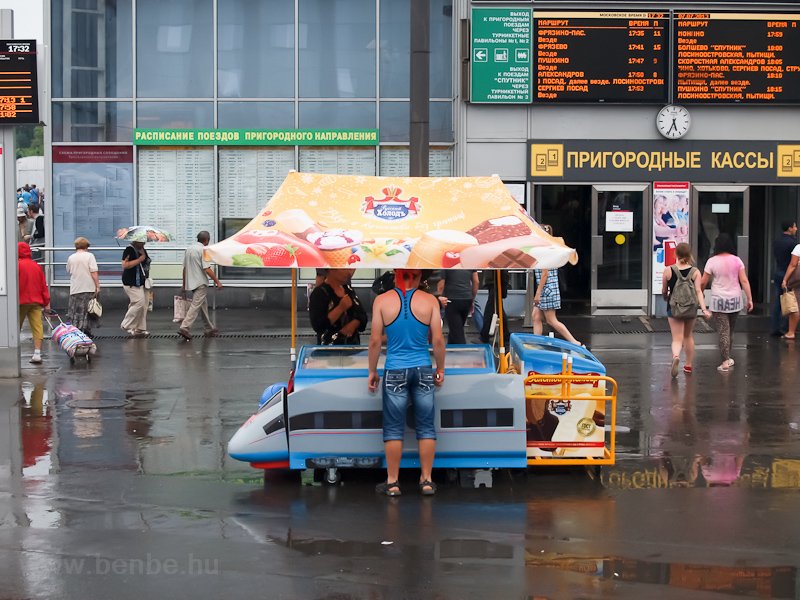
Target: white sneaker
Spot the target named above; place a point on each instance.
(36, 359)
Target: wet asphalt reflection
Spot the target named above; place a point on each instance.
(116, 475)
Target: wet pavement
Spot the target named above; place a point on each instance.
(114, 483)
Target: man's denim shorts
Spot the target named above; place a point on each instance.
(401, 386)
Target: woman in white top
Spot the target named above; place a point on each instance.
(793, 284)
(84, 284)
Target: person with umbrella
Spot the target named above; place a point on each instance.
(135, 282)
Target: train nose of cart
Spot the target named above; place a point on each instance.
(262, 440)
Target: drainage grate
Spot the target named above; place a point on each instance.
(175, 336)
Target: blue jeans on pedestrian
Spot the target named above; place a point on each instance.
(778, 323)
(401, 386)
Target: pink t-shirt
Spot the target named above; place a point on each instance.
(726, 293)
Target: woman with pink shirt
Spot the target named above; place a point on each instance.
(726, 274)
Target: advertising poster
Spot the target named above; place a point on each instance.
(670, 225)
(92, 197)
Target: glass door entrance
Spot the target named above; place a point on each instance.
(619, 249)
(721, 209)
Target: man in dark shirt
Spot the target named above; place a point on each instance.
(457, 290)
(782, 251)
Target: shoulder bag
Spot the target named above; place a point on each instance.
(148, 283)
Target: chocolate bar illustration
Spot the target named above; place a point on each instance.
(513, 258)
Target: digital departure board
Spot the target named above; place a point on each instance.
(737, 57)
(600, 56)
(19, 96)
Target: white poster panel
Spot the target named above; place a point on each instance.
(176, 193)
(248, 178)
(670, 225)
(619, 220)
(92, 197)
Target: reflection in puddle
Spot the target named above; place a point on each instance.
(764, 582)
(715, 470)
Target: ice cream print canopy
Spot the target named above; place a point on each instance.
(341, 221)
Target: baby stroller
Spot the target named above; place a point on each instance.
(71, 340)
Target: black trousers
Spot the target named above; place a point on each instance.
(488, 311)
(456, 313)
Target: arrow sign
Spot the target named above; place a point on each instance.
(481, 54)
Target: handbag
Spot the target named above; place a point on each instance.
(788, 303)
(181, 306)
(94, 308)
(148, 283)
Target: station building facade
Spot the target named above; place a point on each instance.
(608, 181)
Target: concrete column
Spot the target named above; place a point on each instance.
(9, 305)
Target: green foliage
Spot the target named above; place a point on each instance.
(29, 140)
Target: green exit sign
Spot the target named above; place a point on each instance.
(501, 55)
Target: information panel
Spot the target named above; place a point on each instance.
(501, 56)
(248, 178)
(176, 192)
(737, 57)
(601, 56)
(19, 96)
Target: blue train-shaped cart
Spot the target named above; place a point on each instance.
(549, 409)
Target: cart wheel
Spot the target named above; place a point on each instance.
(72, 360)
(332, 476)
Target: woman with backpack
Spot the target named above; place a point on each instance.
(726, 274)
(681, 289)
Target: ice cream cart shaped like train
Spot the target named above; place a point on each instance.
(548, 409)
(539, 413)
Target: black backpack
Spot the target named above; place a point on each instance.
(683, 302)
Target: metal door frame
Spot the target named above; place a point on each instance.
(627, 301)
(742, 241)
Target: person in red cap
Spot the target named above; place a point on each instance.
(33, 295)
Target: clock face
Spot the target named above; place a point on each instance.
(673, 121)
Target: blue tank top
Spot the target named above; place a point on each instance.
(407, 338)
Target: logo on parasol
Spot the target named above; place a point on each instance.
(391, 207)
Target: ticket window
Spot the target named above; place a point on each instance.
(620, 244)
(720, 209)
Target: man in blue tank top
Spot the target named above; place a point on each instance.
(407, 315)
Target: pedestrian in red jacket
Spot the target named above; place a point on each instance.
(33, 295)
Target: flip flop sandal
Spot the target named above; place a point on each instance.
(388, 488)
(427, 488)
(676, 361)
(687, 369)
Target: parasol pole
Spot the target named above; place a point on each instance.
(503, 365)
(292, 351)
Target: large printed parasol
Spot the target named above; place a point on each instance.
(346, 221)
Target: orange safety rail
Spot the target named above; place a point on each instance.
(562, 391)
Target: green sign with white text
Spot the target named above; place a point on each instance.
(255, 137)
(501, 57)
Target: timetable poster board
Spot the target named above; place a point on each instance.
(670, 225)
(601, 56)
(176, 193)
(750, 58)
(395, 162)
(19, 89)
(248, 177)
(338, 161)
(92, 197)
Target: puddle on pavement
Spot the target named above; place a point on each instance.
(762, 582)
